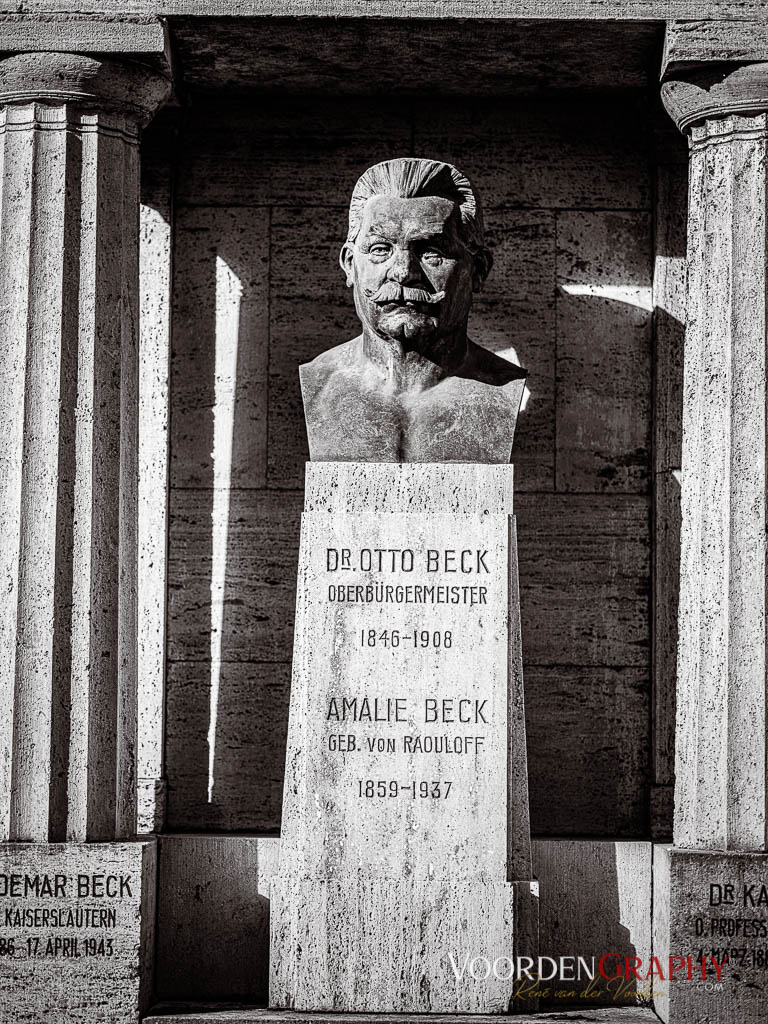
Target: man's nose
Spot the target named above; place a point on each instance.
(405, 268)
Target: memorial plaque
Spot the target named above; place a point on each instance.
(711, 927)
(76, 919)
(406, 724)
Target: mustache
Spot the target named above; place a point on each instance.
(391, 291)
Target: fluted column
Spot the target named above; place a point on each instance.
(69, 230)
(722, 710)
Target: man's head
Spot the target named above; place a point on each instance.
(414, 252)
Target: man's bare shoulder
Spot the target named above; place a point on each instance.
(339, 357)
(315, 374)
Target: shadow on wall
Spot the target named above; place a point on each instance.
(595, 900)
(216, 886)
(227, 675)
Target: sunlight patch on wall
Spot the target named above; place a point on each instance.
(633, 295)
(229, 292)
(154, 355)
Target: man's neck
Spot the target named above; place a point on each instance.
(414, 369)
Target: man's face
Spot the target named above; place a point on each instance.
(411, 273)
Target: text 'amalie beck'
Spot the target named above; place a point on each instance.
(449, 710)
(447, 560)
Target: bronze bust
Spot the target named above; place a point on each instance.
(412, 387)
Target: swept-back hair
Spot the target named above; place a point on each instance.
(415, 178)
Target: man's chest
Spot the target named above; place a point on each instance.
(456, 421)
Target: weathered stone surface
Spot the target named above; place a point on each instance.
(595, 153)
(213, 917)
(372, 943)
(720, 795)
(604, 384)
(80, 33)
(306, 311)
(170, 1014)
(588, 765)
(709, 899)
(589, 760)
(68, 618)
(370, 822)
(710, 904)
(76, 918)
(516, 306)
(702, 42)
(669, 300)
(598, 160)
(662, 812)
(666, 583)
(437, 57)
(514, 315)
(643, 10)
(584, 579)
(256, 600)
(350, 487)
(295, 153)
(501, 146)
(468, 627)
(53, 965)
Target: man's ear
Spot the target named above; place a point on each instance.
(482, 261)
(346, 262)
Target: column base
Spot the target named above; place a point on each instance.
(76, 931)
(371, 945)
(711, 904)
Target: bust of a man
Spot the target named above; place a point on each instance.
(412, 387)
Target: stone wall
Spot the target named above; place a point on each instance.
(260, 209)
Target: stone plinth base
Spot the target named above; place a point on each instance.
(76, 932)
(207, 1013)
(711, 904)
(384, 945)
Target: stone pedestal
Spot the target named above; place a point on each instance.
(69, 234)
(76, 931)
(721, 808)
(404, 882)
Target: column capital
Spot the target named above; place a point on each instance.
(714, 69)
(121, 86)
(716, 93)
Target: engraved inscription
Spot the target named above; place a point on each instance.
(400, 721)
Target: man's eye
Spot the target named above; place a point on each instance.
(432, 256)
(380, 249)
